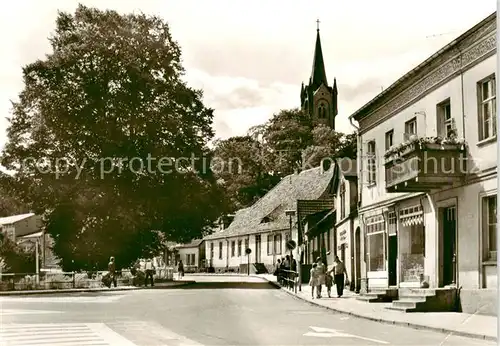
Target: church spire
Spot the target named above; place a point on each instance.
(318, 74)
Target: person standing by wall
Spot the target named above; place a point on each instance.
(149, 270)
(180, 270)
(112, 270)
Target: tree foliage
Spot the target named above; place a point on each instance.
(14, 258)
(243, 170)
(108, 142)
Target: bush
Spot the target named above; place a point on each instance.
(58, 281)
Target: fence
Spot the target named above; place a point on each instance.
(66, 280)
(289, 279)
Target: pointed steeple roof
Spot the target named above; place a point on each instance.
(318, 74)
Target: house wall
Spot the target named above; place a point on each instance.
(233, 262)
(183, 254)
(461, 88)
(483, 155)
(29, 225)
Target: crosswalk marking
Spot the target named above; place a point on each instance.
(156, 334)
(60, 334)
(68, 299)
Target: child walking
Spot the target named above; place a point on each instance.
(314, 279)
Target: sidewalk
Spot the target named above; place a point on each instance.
(474, 326)
(164, 285)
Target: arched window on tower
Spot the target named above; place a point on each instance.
(322, 111)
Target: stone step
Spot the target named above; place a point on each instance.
(408, 292)
(414, 299)
(399, 308)
(407, 305)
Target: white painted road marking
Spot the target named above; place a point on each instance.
(9, 312)
(65, 299)
(333, 333)
(60, 334)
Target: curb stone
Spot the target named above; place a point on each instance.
(89, 290)
(387, 321)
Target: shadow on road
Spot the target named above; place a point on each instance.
(228, 285)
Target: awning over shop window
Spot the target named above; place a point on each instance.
(411, 216)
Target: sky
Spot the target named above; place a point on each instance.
(250, 57)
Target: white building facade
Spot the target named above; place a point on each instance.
(427, 159)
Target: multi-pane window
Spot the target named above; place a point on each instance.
(375, 238)
(490, 226)
(233, 248)
(269, 244)
(372, 163)
(211, 250)
(220, 250)
(444, 119)
(487, 109)
(410, 129)
(239, 248)
(277, 244)
(246, 244)
(389, 139)
(342, 200)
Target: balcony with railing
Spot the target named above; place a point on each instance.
(424, 164)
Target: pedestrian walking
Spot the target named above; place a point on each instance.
(277, 270)
(339, 271)
(313, 279)
(149, 270)
(321, 268)
(112, 270)
(180, 270)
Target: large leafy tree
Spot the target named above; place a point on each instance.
(286, 135)
(108, 141)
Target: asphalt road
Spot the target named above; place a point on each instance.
(216, 311)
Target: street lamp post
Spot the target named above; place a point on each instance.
(290, 214)
(248, 251)
(37, 264)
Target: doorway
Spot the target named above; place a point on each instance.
(257, 248)
(393, 260)
(449, 245)
(357, 258)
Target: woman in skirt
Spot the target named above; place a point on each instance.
(314, 279)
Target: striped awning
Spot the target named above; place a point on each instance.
(411, 216)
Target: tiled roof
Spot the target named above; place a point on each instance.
(14, 218)
(306, 185)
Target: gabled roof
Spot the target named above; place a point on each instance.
(307, 185)
(193, 243)
(344, 167)
(14, 218)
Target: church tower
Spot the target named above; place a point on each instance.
(317, 98)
